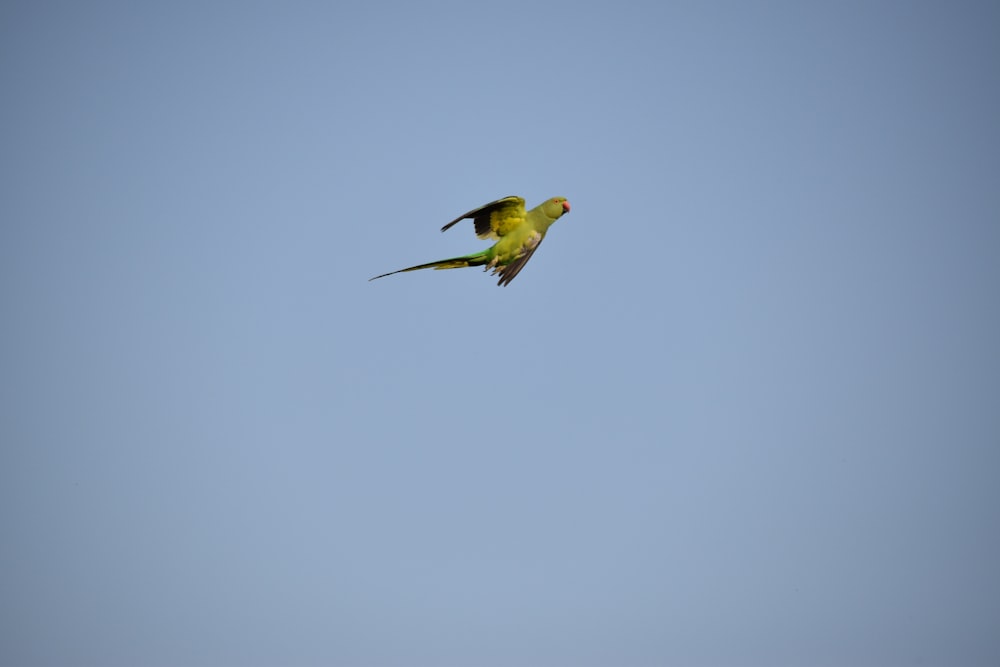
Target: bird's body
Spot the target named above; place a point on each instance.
(518, 234)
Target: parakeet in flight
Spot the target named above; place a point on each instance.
(518, 234)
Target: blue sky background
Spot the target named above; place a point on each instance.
(741, 408)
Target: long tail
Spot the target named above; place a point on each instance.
(475, 259)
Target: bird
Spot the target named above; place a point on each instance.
(518, 234)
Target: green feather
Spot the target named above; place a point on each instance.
(518, 235)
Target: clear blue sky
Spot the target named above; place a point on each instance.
(741, 408)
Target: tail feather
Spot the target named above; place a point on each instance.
(476, 259)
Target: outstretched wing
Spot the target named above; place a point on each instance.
(496, 218)
(509, 272)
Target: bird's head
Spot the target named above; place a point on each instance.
(555, 207)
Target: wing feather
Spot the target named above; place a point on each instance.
(496, 218)
(509, 272)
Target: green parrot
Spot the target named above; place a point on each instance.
(518, 234)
